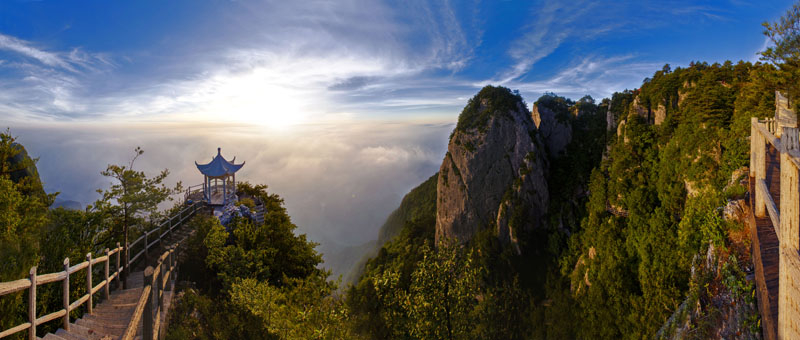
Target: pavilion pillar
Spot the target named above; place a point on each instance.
(224, 191)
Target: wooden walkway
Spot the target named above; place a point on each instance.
(766, 248)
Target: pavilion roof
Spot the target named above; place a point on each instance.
(219, 166)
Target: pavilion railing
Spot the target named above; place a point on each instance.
(198, 188)
(35, 279)
(191, 190)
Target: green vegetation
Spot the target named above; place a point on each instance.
(494, 100)
(504, 292)
(23, 216)
(640, 271)
(132, 198)
(256, 281)
(634, 245)
(419, 203)
(27, 225)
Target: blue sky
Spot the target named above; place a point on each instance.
(341, 107)
(121, 61)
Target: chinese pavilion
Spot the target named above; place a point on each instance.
(219, 170)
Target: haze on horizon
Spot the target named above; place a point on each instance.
(340, 107)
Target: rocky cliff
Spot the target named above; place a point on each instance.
(554, 129)
(493, 175)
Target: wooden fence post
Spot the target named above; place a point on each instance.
(789, 229)
(89, 282)
(761, 172)
(106, 290)
(169, 268)
(160, 290)
(119, 272)
(65, 298)
(32, 304)
(147, 318)
(753, 136)
(126, 271)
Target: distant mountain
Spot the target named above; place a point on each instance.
(418, 204)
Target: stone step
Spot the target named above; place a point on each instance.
(82, 331)
(130, 290)
(99, 327)
(70, 336)
(111, 312)
(51, 336)
(114, 306)
(109, 319)
(126, 298)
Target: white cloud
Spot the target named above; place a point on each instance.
(283, 63)
(597, 76)
(23, 47)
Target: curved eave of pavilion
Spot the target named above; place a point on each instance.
(219, 167)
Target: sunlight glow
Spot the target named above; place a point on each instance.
(256, 98)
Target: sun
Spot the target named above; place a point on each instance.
(258, 98)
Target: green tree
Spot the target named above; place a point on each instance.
(302, 309)
(785, 52)
(23, 214)
(256, 281)
(131, 197)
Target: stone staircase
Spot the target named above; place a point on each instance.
(110, 318)
(260, 212)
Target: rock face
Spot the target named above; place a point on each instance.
(556, 132)
(493, 175)
(640, 109)
(660, 114)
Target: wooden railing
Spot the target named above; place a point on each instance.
(149, 308)
(35, 279)
(164, 229)
(761, 133)
(191, 190)
(785, 218)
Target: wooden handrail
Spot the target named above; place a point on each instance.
(772, 209)
(35, 280)
(783, 134)
(154, 278)
(769, 136)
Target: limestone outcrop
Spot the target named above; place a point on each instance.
(655, 116)
(493, 175)
(640, 109)
(659, 114)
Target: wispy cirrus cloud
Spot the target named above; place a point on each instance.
(559, 23)
(593, 75)
(72, 61)
(294, 52)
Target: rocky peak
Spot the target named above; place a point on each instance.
(553, 117)
(493, 175)
(555, 132)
